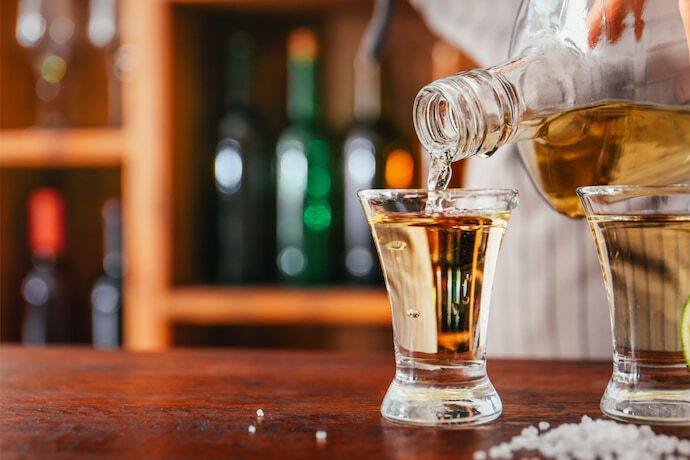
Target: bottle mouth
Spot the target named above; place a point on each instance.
(437, 122)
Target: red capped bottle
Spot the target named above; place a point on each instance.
(46, 310)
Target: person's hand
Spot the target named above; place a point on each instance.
(606, 18)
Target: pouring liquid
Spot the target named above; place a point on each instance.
(600, 144)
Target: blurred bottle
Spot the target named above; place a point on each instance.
(106, 295)
(46, 303)
(47, 29)
(373, 157)
(305, 174)
(103, 33)
(243, 178)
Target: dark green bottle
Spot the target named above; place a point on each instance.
(305, 179)
(374, 156)
(243, 178)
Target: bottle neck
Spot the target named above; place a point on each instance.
(367, 89)
(238, 88)
(302, 97)
(238, 72)
(112, 238)
(469, 113)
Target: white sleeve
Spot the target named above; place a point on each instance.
(481, 28)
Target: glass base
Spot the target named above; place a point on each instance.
(469, 403)
(627, 403)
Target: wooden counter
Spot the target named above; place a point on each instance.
(76, 402)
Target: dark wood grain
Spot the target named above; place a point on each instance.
(75, 402)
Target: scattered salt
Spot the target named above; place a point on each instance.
(321, 435)
(260, 413)
(251, 429)
(590, 439)
(529, 432)
(479, 455)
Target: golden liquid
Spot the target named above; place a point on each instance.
(608, 143)
(646, 265)
(439, 272)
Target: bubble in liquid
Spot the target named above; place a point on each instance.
(413, 313)
(465, 290)
(396, 245)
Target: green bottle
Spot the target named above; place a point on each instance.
(243, 179)
(305, 179)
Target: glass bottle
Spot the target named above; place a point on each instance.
(374, 156)
(595, 92)
(102, 31)
(106, 295)
(243, 178)
(46, 315)
(305, 178)
(47, 29)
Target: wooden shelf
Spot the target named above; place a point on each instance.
(218, 305)
(170, 98)
(37, 147)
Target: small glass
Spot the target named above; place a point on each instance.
(643, 239)
(439, 268)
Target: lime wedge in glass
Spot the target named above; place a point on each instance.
(685, 331)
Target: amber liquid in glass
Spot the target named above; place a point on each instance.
(436, 269)
(607, 143)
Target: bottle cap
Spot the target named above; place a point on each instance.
(302, 44)
(46, 221)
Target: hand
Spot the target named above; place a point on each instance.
(606, 17)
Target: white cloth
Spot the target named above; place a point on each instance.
(549, 298)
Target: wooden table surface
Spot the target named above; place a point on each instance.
(76, 402)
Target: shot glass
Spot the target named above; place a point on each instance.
(438, 251)
(643, 239)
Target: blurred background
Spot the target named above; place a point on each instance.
(182, 172)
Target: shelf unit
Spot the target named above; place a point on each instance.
(162, 134)
(160, 243)
(80, 147)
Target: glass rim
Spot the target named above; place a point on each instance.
(449, 193)
(639, 190)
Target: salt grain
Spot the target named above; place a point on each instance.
(259, 413)
(251, 429)
(321, 435)
(479, 455)
(590, 439)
